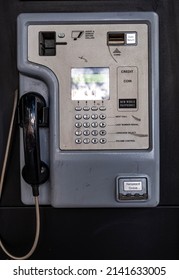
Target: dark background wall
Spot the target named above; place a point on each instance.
(95, 233)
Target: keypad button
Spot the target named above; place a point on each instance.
(94, 140)
(78, 124)
(78, 132)
(102, 116)
(78, 117)
(86, 124)
(102, 132)
(78, 108)
(94, 116)
(86, 141)
(78, 141)
(94, 124)
(102, 140)
(86, 132)
(86, 108)
(86, 117)
(94, 132)
(102, 124)
(102, 108)
(94, 108)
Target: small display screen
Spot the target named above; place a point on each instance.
(90, 83)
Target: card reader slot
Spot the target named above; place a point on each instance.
(115, 38)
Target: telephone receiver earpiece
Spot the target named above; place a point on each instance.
(33, 113)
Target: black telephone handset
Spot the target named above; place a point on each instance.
(33, 113)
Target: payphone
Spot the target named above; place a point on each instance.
(89, 86)
(88, 111)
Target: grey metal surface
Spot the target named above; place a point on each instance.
(87, 178)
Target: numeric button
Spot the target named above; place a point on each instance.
(78, 141)
(94, 140)
(94, 116)
(94, 124)
(86, 124)
(78, 132)
(78, 117)
(86, 116)
(94, 132)
(86, 132)
(78, 124)
(86, 141)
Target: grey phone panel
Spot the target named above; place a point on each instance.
(98, 73)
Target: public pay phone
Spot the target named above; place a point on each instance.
(89, 108)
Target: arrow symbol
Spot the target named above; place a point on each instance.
(116, 52)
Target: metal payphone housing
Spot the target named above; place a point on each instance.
(98, 73)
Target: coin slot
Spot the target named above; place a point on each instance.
(47, 43)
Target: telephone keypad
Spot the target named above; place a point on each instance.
(92, 129)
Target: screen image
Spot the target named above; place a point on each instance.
(90, 83)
